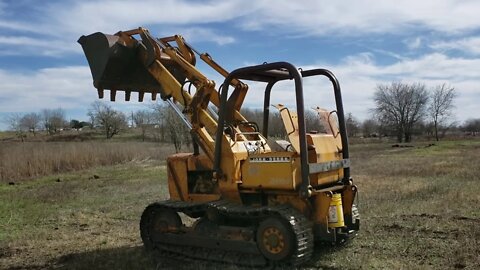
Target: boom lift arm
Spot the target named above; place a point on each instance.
(170, 68)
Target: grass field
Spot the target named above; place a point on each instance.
(28, 160)
(419, 206)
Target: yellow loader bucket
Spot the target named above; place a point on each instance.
(115, 66)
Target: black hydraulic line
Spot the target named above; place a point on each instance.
(192, 48)
(190, 88)
(266, 108)
(340, 112)
(220, 125)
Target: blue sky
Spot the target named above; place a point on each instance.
(363, 42)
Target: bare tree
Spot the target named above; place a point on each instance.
(441, 106)
(253, 115)
(172, 126)
(159, 130)
(176, 130)
(400, 106)
(312, 122)
(276, 129)
(110, 120)
(53, 120)
(14, 122)
(31, 122)
(370, 128)
(472, 126)
(352, 124)
(144, 120)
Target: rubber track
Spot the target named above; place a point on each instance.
(302, 228)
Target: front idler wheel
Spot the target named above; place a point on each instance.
(275, 239)
(156, 221)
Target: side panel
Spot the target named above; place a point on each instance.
(271, 171)
(190, 178)
(326, 149)
(177, 176)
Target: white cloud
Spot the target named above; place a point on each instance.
(71, 87)
(359, 79)
(46, 88)
(64, 21)
(84, 17)
(359, 17)
(311, 17)
(469, 45)
(359, 75)
(23, 45)
(201, 34)
(17, 26)
(413, 43)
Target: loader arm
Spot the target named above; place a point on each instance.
(156, 66)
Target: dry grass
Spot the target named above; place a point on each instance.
(419, 210)
(19, 161)
(81, 222)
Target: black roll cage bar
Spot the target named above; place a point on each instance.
(271, 73)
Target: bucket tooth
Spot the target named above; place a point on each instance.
(127, 95)
(100, 93)
(113, 93)
(140, 96)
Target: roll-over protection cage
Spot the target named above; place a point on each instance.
(272, 73)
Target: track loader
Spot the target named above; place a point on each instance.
(255, 200)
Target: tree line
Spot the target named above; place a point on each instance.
(402, 107)
(49, 120)
(401, 111)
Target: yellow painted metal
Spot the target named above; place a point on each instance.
(348, 196)
(275, 170)
(290, 121)
(177, 176)
(234, 152)
(324, 149)
(178, 167)
(321, 206)
(335, 212)
(292, 198)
